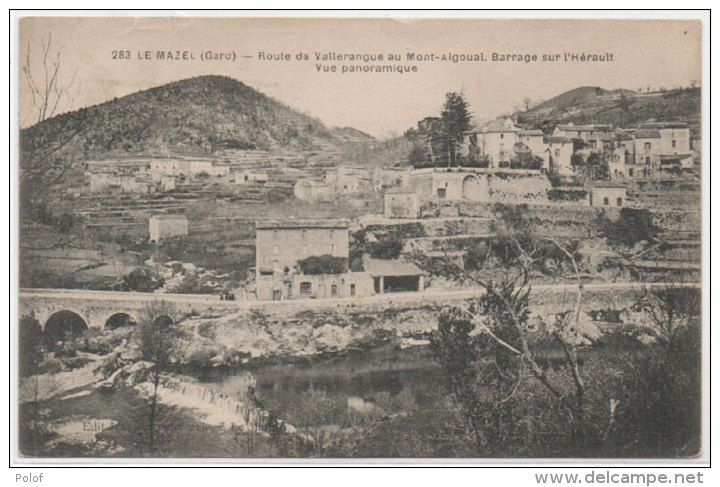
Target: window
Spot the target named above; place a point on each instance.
(647, 160)
(674, 143)
(332, 249)
(277, 295)
(333, 291)
(305, 289)
(648, 145)
(441, 192)
(304, 234)
(352, 289)
(606, 201)
(630, 172)
(619, 201)
(275, 234)
(502, 136)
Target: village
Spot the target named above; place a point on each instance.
(271, 256)
(574, 170)
(260, 257)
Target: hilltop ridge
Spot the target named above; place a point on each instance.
(199, 115)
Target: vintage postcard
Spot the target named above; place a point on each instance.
(345, 238)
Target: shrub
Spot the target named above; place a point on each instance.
(323, 264)
(389, 247)
(633, 226)
(140, 280)
(29, 345)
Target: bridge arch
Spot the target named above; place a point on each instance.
(119, 320)
(64, 325)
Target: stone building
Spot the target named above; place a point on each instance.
(251, 178)
(606, 193)
(280, 246)
(557, 155)
(394, 275)
(597, 136)
(401, 203)
(349, 179)
(167, 183)
(165, 226)
(312, 190)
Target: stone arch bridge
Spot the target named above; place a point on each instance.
(97, 307)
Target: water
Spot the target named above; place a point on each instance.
(409, 377)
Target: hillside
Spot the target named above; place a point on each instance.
(351, 135)
(194, 116)
(622, 108)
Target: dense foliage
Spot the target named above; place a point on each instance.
(323, 264)
(633, 226)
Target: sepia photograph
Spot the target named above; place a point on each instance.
(388, 238)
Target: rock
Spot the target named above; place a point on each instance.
(131, 375)
(331, 338)
(412, 342)
(360, 405)
(131, 353)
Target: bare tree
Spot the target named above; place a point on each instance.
(44, 154)
(527, 103)
(500, 317)
(46, 85)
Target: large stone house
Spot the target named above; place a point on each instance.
(653, 150)
(280, 246)
(283, 250)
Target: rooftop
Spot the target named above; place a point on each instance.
(664, 125)
(300, 224)
(594, 126)
(400, 190)
(168, 217)
(647, 134)
(606, 184)
(556, 140)
(506, 125)
(384, 267)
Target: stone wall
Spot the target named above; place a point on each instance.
(519, 188)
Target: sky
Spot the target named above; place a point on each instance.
(645, 53)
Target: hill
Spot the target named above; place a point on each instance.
(622, 108)
(194, 116)
(351, 135)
